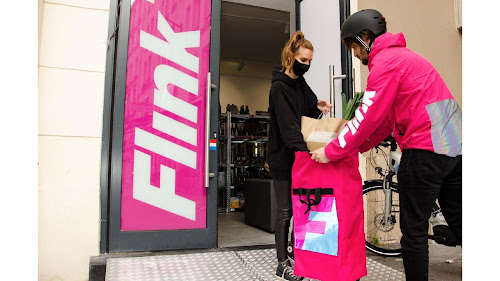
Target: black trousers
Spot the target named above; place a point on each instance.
(283, 190)
(424, 176)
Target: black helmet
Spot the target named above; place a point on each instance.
(365, 19)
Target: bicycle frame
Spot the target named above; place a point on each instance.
(395, 159)
(383, 214)
(393, 166)
(393, 163)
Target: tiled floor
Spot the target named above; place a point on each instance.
(233, 232)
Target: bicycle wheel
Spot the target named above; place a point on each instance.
(383, 239)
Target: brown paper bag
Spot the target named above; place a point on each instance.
(319, 132)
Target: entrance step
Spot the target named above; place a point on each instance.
(244, 263)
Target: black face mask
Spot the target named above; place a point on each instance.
(299, 68)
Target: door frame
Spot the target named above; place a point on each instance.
(346, 58)
(111, 238)
(110, 170)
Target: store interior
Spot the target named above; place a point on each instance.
(251, 41)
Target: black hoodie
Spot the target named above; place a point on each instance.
(289, 99)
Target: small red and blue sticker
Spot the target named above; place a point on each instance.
(213, 144)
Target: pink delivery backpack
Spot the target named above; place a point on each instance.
(328, 219)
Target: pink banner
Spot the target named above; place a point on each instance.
(164, 123)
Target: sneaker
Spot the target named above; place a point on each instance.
(291, 260)
(285, 272)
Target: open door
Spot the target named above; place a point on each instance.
(320, 20)
(161, 187)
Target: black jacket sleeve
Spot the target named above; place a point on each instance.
(287, 118)
(312, 104)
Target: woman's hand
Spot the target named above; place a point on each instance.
(319, 156)
(324, 106)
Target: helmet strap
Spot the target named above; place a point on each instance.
(368, 49)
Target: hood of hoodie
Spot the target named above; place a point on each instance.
(278, 75)
(386, 40)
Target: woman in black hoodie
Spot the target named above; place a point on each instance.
(290, 98)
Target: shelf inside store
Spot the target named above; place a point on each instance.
(243, 165)
(244, 116)
(243, 145)
(243, 139)
(223, 210)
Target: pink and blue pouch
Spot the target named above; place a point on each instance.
(329, 239)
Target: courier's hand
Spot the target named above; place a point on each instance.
(319, 156)
(324, 106)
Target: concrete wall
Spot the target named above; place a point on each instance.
(430, 30)
(40, 24)
(72, 57)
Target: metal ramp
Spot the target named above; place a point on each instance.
(237, 265)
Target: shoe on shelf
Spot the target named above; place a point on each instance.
(285, 272)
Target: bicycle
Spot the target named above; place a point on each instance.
(381, 207)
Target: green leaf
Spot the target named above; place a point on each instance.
(349, 109)
(353, 111)
(354, 108)
(344, 103)
(360, 97)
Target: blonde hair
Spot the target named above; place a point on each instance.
(288, 53)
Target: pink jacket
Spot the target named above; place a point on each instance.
(406, 96)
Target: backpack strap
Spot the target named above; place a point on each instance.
(317, 195)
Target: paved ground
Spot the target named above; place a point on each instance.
(445, 263)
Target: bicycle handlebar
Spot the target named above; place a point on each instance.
(384, 144)
(389, 141)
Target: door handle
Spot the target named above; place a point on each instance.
(207, 128)
(210, 86)
(332, 88)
